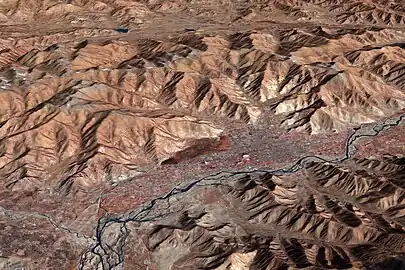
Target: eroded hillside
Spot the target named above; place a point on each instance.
(345, 216)
(105, 105)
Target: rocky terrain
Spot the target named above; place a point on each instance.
(326, 217)
(289, 112)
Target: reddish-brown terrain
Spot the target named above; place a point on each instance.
(202, 134)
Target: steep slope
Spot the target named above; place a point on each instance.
(105, 105)
(72, 107)
(329, 216)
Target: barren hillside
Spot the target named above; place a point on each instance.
(107, 105)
